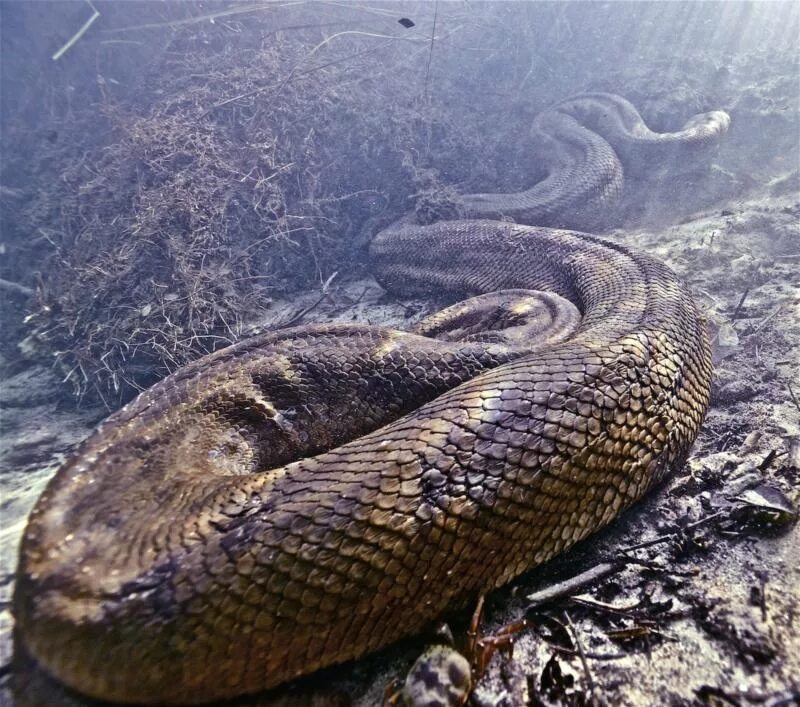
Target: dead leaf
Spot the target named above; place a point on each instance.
(767, 505)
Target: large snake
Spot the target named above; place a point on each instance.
(308, 496)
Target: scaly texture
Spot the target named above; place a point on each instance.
(202, 543)
(580, 142)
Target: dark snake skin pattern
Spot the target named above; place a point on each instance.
(306, 497)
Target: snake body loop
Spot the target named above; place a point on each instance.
(303, 498)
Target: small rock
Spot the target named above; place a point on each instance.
(439, 678)
(484, 697)
(751, 441)
(732, 392)
(744, 482)
(727, 335)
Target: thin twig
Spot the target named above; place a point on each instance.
(739, 306)
(590, 602)
(590, 684)
(761, 324)
(78, 34)
(302, 313)
(574, 584)
(593, 656)
(430, 53)
(670, 536)
(767, 460)
(15, 287)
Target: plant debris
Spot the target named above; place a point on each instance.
(766, 506)
(237, 165)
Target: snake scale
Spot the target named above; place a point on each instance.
(308, 496)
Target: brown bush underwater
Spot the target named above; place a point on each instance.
(246, 159)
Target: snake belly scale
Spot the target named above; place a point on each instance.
(303, 498)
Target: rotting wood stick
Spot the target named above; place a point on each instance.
(741, 302)
(767, 460)
(670, 536)
(574, 584)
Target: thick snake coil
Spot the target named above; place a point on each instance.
(306, 497)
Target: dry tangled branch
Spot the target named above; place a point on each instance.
(245, 162)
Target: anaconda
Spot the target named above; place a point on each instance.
(308, 496)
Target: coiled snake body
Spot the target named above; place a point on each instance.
(305, 497)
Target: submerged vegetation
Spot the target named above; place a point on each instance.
(244, 158)
(201, 202)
